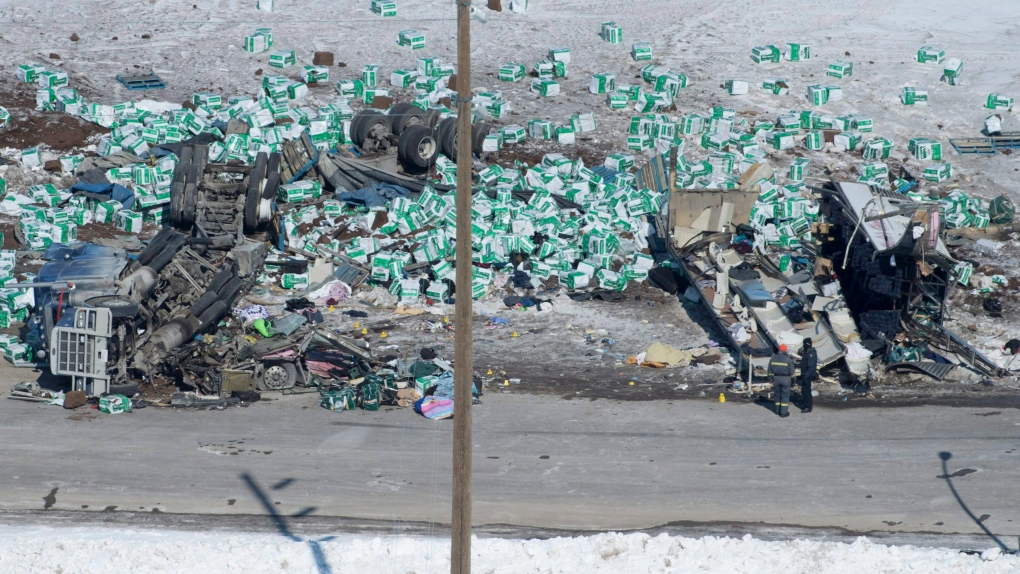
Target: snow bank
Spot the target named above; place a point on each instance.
(98, 550)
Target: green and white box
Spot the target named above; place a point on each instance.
(256, 43)
(560, 54)
(910, 96)
(282, 59)
(641, 51)
(602, 83)
(412, 39)
(818, 95)
(952, 71)
(29, 73)
(877, 148)
(847, 140)
(564, 135)
(840, 69)
(370, 75)
(873, 169)
(513, 134)
(998, 102)
(797, 52)
(106, 211)
(294, 281)
(925, 149)
(616, 101)
(207, 100)
(540, 129)
(31, 157)
(938, 172)
(129, 221)
(798, 168)
(427, 67)
(612, 33)
(765, 54)
(993, 124)
(315, 74)
(545, 87)
(512, 72)
(619, 161)
(782, 140)
(736, 87)
(927, 55)
(293, 192)
(403, 78)
(384, 9)
(51, 79)
(545, 70)
(583, 123)
(640, 142)
(776, 86)
(438, 291)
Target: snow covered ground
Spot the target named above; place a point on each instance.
(79, 550)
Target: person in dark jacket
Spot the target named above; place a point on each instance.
(781, 369)
(808, 372)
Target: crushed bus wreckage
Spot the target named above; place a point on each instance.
(861, 271)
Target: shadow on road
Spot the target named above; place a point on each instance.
(767, 403)
(945, 456)
(280, 521)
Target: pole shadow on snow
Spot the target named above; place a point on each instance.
(280, 521)
(945, 456)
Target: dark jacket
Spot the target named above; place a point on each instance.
(781, 365)
(809, 363)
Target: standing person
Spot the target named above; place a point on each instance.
(808, 372)
(781, 368)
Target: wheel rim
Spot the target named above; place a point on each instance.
(275, 377)
(426, 148)
(377, 131)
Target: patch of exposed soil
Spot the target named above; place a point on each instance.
(28, 127)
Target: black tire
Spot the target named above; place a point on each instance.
(251, 210)
(371, 120)
(204, 302)
(273, 166)
(200, 157)
(272, 186)
(417, 148)
(155, 246)
(183, 163)
(358, 122)
(221, 279)
(405, 115)
(478, 133)
(119, 307)
(230, 291)
(432, 117)
(447, 135)
(169, 252)
(190, 202)
(258, 170)
(212, 315)
(127, 389)
(176, 202)
(254, 192)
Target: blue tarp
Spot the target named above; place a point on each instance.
(375, 196)
(115, 192)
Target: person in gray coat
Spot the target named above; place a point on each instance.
(781, 368)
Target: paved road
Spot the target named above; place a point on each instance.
(539, 461)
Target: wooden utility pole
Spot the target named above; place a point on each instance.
(460, 557)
